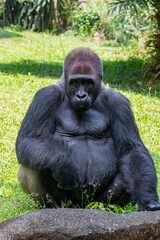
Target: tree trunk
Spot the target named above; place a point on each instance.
(52, 14)
(3, 4)
(157, 18)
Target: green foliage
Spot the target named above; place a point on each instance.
(127, 5)
(86, 22)
(38, 15)
(153, 42)
(92, 19)
(133, 25)
(112, 208)
(35, 15)
(127, 26)
(30, 61)
(154, 37)
(61, 15)
(1, 7)
(88, 203)
(64, 13)
(97, 18)
(12, 9)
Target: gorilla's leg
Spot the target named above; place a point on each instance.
(41, 185)
(31, 182)
(115, 192)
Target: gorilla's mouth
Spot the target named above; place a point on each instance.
(81, 106)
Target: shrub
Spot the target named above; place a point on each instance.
(97, 18)
(38, 15)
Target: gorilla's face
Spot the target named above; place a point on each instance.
(82, 80)
(81, 90)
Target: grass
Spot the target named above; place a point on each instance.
(30, 61)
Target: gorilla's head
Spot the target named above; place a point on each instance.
(83, 75)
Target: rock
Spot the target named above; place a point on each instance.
(79, 224)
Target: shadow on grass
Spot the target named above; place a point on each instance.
(8, 34)
(125, 75)
(128, 75)
(25, 67)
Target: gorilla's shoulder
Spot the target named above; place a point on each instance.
(53, 90)
(50, 93)
(114, 99)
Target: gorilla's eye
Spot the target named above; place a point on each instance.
(89, 82)
(74, 83)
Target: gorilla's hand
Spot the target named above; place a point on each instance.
(150, 207)
(65, 171)
(153, 207)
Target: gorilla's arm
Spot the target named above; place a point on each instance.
(135, 163)
(33, 145)
(36, 146)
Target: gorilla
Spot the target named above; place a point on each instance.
(77, 135)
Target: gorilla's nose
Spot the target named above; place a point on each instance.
(81, 96)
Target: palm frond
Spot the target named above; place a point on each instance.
(124, 5)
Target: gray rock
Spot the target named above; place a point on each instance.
(81, 224)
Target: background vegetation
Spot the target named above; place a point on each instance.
(39, 35)
(102, 19)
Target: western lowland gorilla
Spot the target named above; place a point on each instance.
(77, 135)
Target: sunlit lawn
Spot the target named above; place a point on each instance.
(30, 61)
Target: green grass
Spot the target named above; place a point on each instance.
(30, 61)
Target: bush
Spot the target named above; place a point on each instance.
(86, 22)
(38, 15)
(97, 18)
(91, 19)
(153, 43)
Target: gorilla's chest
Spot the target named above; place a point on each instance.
(91, 123)
(89, 143)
